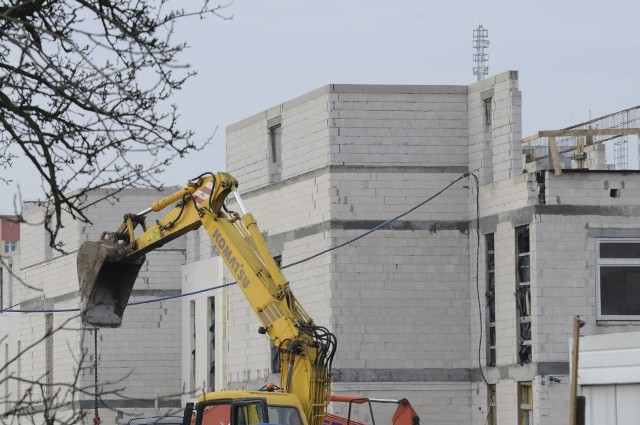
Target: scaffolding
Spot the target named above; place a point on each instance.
(609, 133)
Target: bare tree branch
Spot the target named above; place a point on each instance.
(85, 91)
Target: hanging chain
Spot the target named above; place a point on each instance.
(96, 416)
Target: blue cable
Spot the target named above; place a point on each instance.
(170, 297)
(154, 300)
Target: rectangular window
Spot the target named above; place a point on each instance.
(618, 279)
(525, 403)
(275, 149)
(490, 294)
(49, 354)
(10, 246)
(492, 414)
(192, 346)
(487, 111)
(523, 294)
(274, 138)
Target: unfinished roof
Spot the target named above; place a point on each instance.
(584, 143)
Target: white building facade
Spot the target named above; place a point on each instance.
(50, 356)
(414, 316)
(464, 305)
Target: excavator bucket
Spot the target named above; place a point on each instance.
(106, 276)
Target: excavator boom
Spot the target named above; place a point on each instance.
(108, 268)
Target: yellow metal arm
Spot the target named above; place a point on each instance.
(306, 350)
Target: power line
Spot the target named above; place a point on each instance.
(187, 294)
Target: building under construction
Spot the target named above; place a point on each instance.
(482, 246)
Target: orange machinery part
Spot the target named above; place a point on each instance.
(404, 414)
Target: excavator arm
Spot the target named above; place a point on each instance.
(107, 270)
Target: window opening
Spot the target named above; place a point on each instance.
(216, 414)
(274, 137)
(275, 152)
(523, 294)
(49, 354)
(284, 415)
(490, 295)
(249, 412)
(525, 403)
(492, 414)
(212, 345)
(192, 346)
(487, 111)
(618, 279)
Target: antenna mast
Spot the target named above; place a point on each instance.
(480, 58)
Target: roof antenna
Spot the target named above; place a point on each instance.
(480, 58)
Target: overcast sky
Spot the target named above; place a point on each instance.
(574, 58)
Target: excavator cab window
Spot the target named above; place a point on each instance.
(285, 415)
(214, 414)
(249, 412)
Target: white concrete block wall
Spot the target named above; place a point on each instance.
(584, 188)
(394, 310)
(248, 351)
(565, 261)
(437, 403)
(551, 400)
(305, 140)
(306, 133)
(382, 194)
(34, 243)
(311, 281)
(142, 358)
(565, 285)
(372, 131)
(369, 126)
(563, 273)
(198, 276)
(144, 352)
(9, 331)
(507, 401)
(506, 126)
(249, 355)
(247, 152)
(400, 125)
(506, 195)
(301, 203)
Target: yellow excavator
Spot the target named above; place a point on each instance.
(108, 268)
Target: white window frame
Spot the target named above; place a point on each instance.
(10, 246)
(612, 262)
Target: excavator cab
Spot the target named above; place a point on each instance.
(106, 273)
